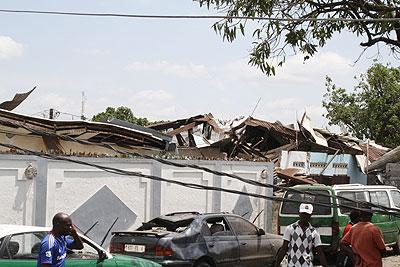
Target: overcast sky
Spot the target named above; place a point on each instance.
(161, 69)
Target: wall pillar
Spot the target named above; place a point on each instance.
(40, 189)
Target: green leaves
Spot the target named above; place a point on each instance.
(304, 26)
(121, 113)
(372, 110)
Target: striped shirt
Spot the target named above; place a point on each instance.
(53, 250)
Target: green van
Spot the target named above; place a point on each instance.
(330, 222)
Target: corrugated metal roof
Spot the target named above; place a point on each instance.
(128, 134)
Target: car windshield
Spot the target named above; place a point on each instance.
(320, 196)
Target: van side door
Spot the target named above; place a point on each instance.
(395, 197)
(383, 221)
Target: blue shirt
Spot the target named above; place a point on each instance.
(53, 250)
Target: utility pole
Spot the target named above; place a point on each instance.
(51, 114)
(83, 106)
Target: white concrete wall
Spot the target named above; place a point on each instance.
(93, 196)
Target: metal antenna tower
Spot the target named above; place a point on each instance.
(83, 106)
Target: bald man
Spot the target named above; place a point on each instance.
(53, 248)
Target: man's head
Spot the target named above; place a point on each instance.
(354, 216)
(62, 224)
(305, 212)
(366, 214)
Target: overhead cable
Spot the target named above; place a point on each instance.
(140, 16)
(189, 185)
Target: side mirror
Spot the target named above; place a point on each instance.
(260, 231)
(102, 256)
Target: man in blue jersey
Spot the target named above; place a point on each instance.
(53, 248)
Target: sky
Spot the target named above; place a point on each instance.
(161, 69)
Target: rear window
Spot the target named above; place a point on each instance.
(352, 196)
(165, 225)
(323, 197)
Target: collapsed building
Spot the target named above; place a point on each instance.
(310, 154)
(302, 155)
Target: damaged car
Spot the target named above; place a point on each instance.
(199, 240)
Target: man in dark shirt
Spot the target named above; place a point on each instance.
(53, 247)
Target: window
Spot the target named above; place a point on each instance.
(396, 197)
(216, 226)
(23, 246)
(241, 226)
(353, 196)
(319, 196)
(88, 252)
(379, 198)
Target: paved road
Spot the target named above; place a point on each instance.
(391, 261)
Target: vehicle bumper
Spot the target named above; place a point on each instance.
(180, 263)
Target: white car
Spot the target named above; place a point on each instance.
(19, 247)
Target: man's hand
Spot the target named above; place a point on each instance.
(281, 253)
(78, 244)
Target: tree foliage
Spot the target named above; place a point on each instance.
(296, 25)
(372, 110)
(121, 113)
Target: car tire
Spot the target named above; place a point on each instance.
(202, 264)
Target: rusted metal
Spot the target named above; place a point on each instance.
(16, 101)
(294, 176)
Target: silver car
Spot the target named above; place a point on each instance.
(199, 240)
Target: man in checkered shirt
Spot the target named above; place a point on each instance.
(299, 239)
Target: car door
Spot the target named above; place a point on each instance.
(254, 249)
(222, 246)
(383, 221)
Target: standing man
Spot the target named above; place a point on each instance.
(299, 239)
(345, 257)
(354, 218)
(366, 241)
(53, 248)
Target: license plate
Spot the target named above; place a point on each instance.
(135, 248)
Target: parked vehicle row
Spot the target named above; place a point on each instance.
(331, 221)
(195, 239)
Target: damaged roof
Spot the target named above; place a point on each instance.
(267, 139)
(181, 125)
(116, 132)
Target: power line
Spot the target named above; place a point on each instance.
(189, 185)
(139, 16)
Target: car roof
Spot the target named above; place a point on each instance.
(312, 187)
(360, 186)
(7, 229)
(191, 215)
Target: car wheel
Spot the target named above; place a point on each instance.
(203, 264)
